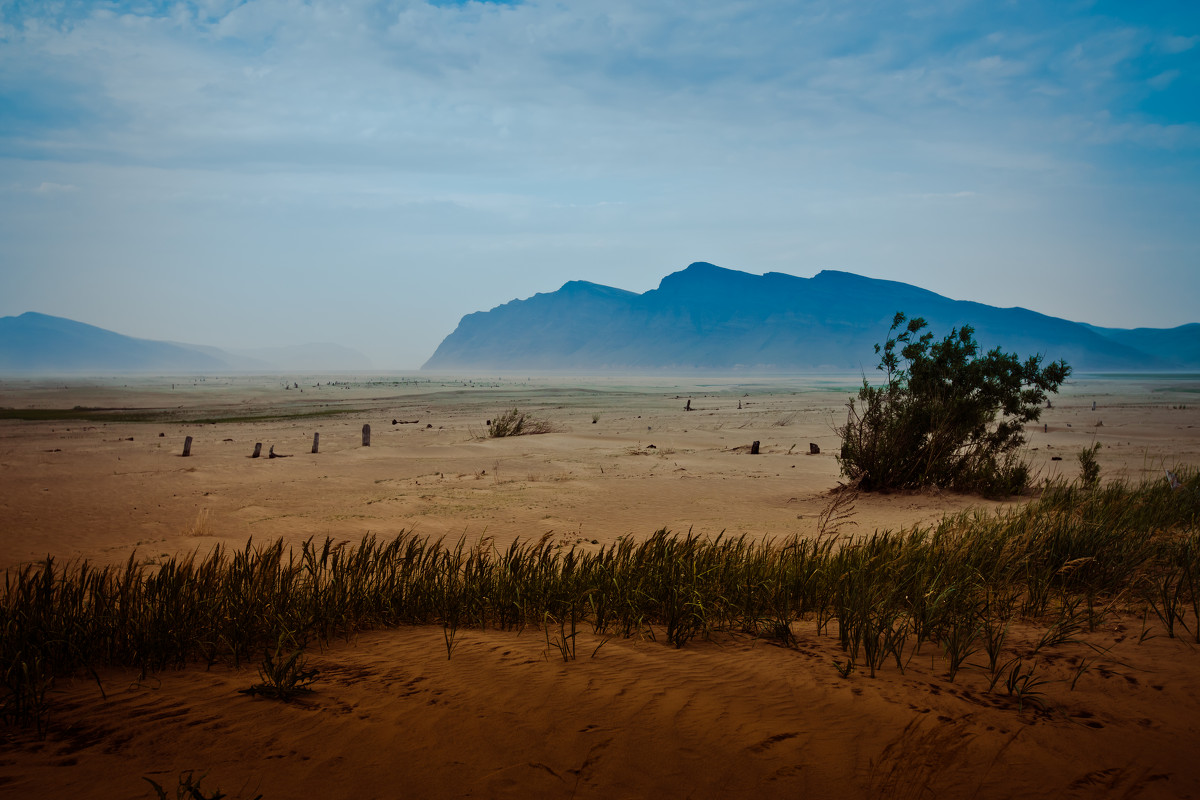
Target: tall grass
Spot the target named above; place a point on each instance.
(1062, 561)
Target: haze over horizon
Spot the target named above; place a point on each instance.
(268, 172)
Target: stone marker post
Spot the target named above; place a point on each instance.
(187, 447)
(754, 449)
(316, 440)
(257, 450)
(366, 436)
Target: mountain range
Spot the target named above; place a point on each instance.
(700, 319)
(707, 318)
(39, 343)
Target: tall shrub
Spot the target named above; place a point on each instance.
(945, 415)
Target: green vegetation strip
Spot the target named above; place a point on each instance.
(151, 415)
(1063, 562)
(80, 413)
(328, 412)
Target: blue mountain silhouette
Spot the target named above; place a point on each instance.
(709, 318)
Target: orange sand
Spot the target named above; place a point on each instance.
(392, 717)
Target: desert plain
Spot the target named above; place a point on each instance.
(95, 470)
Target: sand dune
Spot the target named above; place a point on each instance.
(391, 716)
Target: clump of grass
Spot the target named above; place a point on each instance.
(200, 526)
(1058, 563)
(284, 672)
(189, 788)
(1024, 687)
(516, 423)
(562, 641)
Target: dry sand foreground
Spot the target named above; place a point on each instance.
(392, 717)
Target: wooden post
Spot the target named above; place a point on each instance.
(316, 439)
(754, 449)
(366, 436)
(187, 447)
(257, 450)
(688, 407)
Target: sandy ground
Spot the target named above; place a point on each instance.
(393, 717)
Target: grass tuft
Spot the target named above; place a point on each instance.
(516, 423)
(189, 788)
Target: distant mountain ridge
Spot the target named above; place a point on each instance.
(709, 318)
(40, 343)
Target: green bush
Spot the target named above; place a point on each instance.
(945, 415)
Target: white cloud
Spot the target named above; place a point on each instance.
(47, 187)
(1179, 44)
(1163, 79)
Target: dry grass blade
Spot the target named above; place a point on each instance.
(839, 511)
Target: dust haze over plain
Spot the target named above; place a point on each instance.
(263, 173)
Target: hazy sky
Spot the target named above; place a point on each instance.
(366, 172)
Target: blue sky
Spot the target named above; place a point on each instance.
(365, 172)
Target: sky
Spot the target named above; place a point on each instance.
(254, 173)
